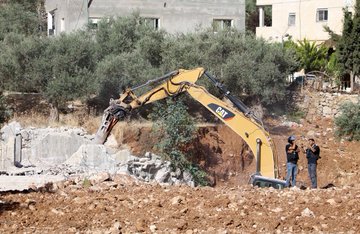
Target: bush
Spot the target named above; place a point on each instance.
(296, 115)
(348, 123)
(176, 130)
(248, 65)
(4, 111)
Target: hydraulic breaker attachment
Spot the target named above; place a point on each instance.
(111, 116)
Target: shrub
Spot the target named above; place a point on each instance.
(348, 123)
(176, 130)
(248, 65)
(4, 111)
(296, 115)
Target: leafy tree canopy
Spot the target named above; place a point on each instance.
(348, 123)
(176, 129)
(248, 65)
(21, 68)
(20, 17)
(311, 56)
(70, 73)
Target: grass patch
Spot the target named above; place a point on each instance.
(296, 116)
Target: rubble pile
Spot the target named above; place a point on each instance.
(69, 152)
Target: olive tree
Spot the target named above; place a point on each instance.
(21, 66)
(20, 17)
(128, 54)
(70, 69)
(250, 66)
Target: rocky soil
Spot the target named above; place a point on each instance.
(122, 204)
(128, 206)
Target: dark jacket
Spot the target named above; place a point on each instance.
(312, 157)
(292, 157)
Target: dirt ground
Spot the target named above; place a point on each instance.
(124, 205)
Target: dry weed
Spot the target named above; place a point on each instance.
(31, 120)
(89, 122)
(122, 127)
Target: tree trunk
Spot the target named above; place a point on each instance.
(54, 113)
(352, 76)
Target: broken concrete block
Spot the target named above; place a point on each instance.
(162, 175)
(7, 150)
(9, 131)
(122, 156)
(93, 157)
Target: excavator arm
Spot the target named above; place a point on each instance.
(238, 118)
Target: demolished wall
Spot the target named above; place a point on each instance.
(67, 152)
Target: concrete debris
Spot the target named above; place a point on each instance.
(307, 213)
(9, 131)
(100, 177)
(290, 124)
(65, 153)
(331, 201)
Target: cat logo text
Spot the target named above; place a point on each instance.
(221, 111)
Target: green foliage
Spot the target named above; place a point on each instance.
(4, 110)
(19, 17)
(117, 35)
(252, 15)
(116, 72)
(348, 45)
(86, 183)
(355, 35)
(259, 72)
(124, 52)
(348, 123)
(248, 65)
(67, 87)
(344, 46)
(333, 35)
(176, 125)
(70, 73)
(126, 34)
(128, 52)
(176, 129)
(183, 51)
(333, 69)
(311, 56)
(199, 175)
(21, 68)
(150, 46)
(296, 115)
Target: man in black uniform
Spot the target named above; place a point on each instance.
(312, 155)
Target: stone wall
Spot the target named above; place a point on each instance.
(327, 105)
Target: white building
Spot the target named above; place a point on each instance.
(172, 15)
(302, 19)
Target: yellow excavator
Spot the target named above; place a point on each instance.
(237, 116)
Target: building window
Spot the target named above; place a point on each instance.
(62, 25)
(94, 23)
(322, 15)
(51, 23)
(220, 24)
(291, 20)
(152, 22)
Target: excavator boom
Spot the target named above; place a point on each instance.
(237, 117)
